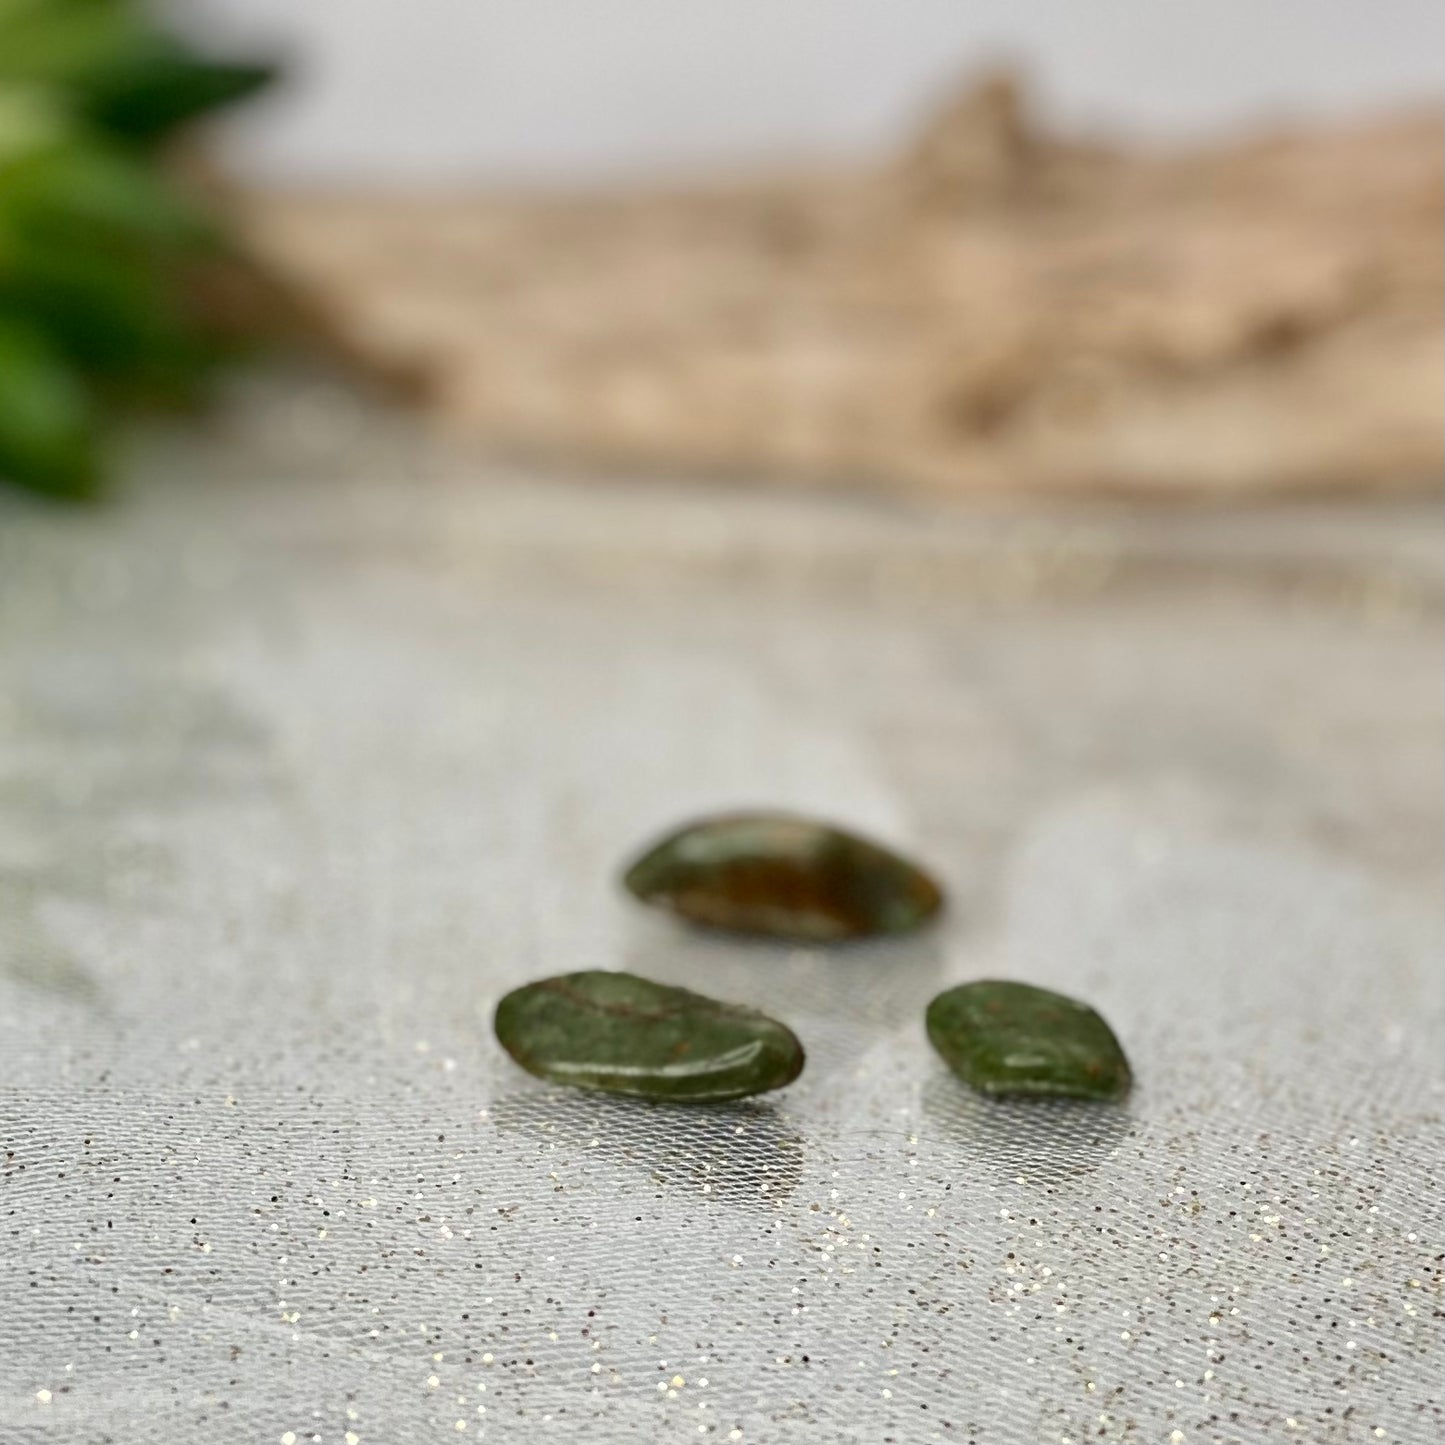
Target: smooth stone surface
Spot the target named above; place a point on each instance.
(1013, 1038)
(627, 1035)
(784, 877)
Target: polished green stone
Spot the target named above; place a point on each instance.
(627, 1035)
(783, 877)
(1013, 1038)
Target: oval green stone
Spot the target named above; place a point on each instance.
(627, 1035)
(1013, 1038)
(784, 877)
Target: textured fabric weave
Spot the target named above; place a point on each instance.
(318, 742)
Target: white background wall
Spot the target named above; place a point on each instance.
(448, 90)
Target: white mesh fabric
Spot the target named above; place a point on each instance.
(317, 743)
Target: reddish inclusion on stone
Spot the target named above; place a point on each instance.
(775, 875)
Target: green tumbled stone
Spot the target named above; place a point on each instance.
(1013, 1038)
(784, 877)
(627, 1035)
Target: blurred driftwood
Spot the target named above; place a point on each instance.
(998, 309)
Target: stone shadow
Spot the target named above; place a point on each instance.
(1046, 1141)
(738, 1153)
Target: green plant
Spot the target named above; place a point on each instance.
(99, 246)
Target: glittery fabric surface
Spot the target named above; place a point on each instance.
(317, 741)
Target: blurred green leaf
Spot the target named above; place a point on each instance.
(65, 42)
(94, 193)
(148, 94)
(30, 119)
(115, 319)
(98, 245)
(123, 76)
(47, 426)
